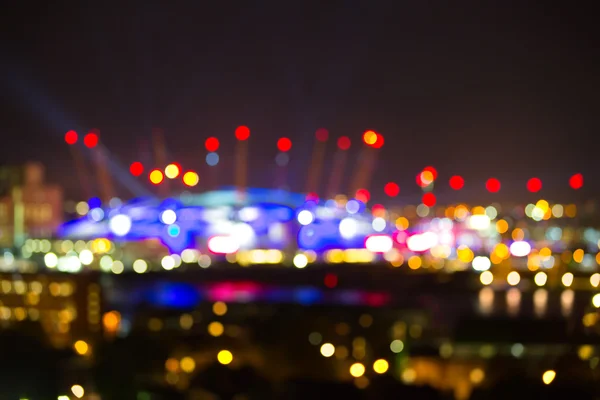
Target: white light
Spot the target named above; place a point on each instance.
(204, 261)
(106, 263)
(223, 245)
(540, 278)
(69, 263)
(117, 267)
(51, 260)
(167, 263)
(97, 214)
(478, 222)
(596, 300)
(348, 228)
(378, 224)
(9, 258)
(481, 263)
(189, 256)
(120, 224)
(140, 266)
(248, 214)
(520, 248)
(300, 261)
(379, 243)
(86, 257)
(305, 217)
(243, 234)
(168, 217)
(352, 206)
(422, 242)
(78, 391)
(513, 278)
(595, 279)
(567, 279)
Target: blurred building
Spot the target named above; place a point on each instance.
(28, 206)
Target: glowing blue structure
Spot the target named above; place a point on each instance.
(261, 218)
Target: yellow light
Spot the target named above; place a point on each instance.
(513, 278)
(578, 255)
(465, 254)
(186, 321)
(225, 357)
(486, 277)
(357, 370)
(77, 391)
(327, 350)
(219, 308)
(402, 223)
(215, 329)
(501, 226)
(172, 171)
(548, 376)
(191, 178)
(478, 210)
(590, 319)
(585, 352)
(596, 300)
(381, 366)
(172, 365)
(426, 177)
(571, 210)
(540, 278)
(518, 234)
(502, 251)
(81, 347)
(543, 205)
(156, 177)
(187, 364)
(414, 262)
(567, 279)
(477, 376)
(370, 137)
(409, 375)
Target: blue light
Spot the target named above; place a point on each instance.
(94, 202)
(353, 206)
(173, 230)
(173, 295)
(308, 295)
(212, 159)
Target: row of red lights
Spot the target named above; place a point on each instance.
(90, 140)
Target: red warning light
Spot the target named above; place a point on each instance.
(242, 133)
(576, 181)
(492, 185)
(136, 168)
(428, 199)
(534, 185)
(211, 144)
(363, 195)
(312, 196)
(71, 137)
(457, 182)
(284, 144)
(331, 280)
(322, 134)
(391, 189)
(343, 143)
(378, 141)
(90, 140)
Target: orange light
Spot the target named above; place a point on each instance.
(191, 178)
(156, 176)
(172, 171)
(370, 138)
(111, 321)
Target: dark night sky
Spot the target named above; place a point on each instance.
(494, 88)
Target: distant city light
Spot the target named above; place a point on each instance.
(242, 133)
(212, 159)
(172, 171)
(284, 144)
(136, 168)
(534, 185)
(300, 261)
(343, 143)
(492, 185)
(71, 137)
(428, 199)
(212, 144)
(363, 195)
(576, 181)
(191, 178)
(457, 182)
(156, 176)
(90, 140)
(391, 189)
(322, 134)
(120, 224)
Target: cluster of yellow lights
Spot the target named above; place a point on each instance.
(259, 256)
(337, 256)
